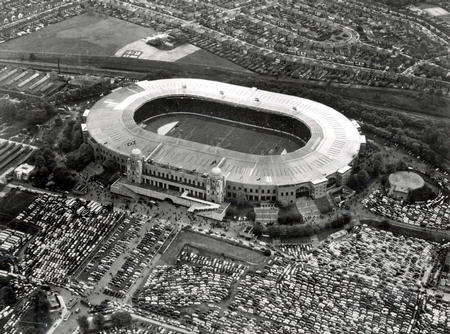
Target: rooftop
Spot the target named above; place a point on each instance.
(406, 181)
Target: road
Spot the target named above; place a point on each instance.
(159, 323)
(64, 311)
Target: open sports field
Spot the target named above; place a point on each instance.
(94, 35)
(222, 133)
(84, 34)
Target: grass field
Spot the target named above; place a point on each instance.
(225, 134)
(84, 34)
(94, 35)
(211, 246)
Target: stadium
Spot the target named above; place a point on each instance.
(213, 142)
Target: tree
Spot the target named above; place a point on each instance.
(77, 136)
(98, 321)
(63, 178)
(58, 122)
(50, 161)
(83, 323)
(346, 216)
(378, 165)
(353, 182)
(8, 109)
(363, 178)
(251, 215)
(109, 164)
(273, 231)
(8, 296)
(38, 160)
(40, 176)
(121, 319)
(81, 157)
(257, 230)
(65, 145)
(67, 132)
(391, 167)
(401, 165)
(38, 314)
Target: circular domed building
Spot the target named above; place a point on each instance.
(402, 184)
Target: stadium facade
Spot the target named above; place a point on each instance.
(169, 165)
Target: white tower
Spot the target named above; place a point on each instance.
(215, 186)
(134, 166)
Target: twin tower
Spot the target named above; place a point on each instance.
(213, 187)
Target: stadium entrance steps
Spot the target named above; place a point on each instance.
(200, 207)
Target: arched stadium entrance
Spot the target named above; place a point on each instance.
(302, 191)
(331, 182)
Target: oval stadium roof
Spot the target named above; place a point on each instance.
(334, 142)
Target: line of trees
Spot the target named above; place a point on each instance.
(77, 156)
(99, 322)
(308, 229)
(47, 169)
(36, 319)
(72, 137)
(32, 112)
(423, 136)
(7, 296)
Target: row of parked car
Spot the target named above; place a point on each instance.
(140, 257)
(70, 230)
(113, 248)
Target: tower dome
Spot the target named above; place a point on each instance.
(136, 153)
(216, 171)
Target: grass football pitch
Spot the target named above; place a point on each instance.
(224, 134)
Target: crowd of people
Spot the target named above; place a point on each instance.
(433, 214)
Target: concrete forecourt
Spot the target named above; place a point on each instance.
(212, 173)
